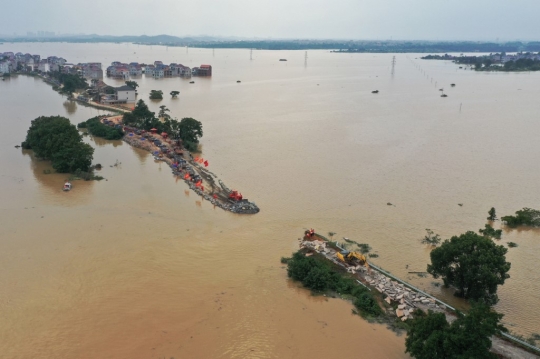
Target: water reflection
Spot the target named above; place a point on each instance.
(70, 106)
(140, 154)
(101, 142)
(52, 184)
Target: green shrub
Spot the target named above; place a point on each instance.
(523, 217)
(490, 232)
(98, 129)
(367, 304)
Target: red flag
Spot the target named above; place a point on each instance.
(205, 163)
(198, 184)
(201, 160)
(196, 159)
(202, 188)
(215, 196)
(186, 176)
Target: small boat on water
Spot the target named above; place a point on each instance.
(453, 85)
(192, 82)
(238, 81)
(67, 186)
(444, 95)
(376, 91)
(282, 59)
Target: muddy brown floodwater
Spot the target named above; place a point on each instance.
(138, 267)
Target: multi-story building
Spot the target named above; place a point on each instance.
(135, 69)
(125, 94)
(149, 70)
(122, 94)
(91, 70)
(43, 66)
(5, 67)
(204, 70)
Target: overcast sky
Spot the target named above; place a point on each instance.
(325, 19)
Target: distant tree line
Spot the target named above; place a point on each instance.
(491, 62)
(298, 44)
(375, 46)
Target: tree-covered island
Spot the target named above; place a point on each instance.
(524, 61)
(55, 139)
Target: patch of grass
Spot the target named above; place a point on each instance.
(512, 244)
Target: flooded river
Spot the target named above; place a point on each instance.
(138, 266)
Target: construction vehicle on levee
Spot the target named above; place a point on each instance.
(352, 258)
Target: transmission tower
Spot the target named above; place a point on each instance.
(251, 54)
(305, 59)
(393, 64)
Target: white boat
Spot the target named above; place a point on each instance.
(67, 186)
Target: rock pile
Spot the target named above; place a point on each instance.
(406, 298)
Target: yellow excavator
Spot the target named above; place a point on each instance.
(353, 258)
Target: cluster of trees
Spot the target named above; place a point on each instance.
(132, 84)
(56, 139)
(473, 264)
(318, 275)
(431, 336)
(98, 129)
(491, 62)
(156, 95)
(70, 82)
(188, 129)
(491, 232)
(522, 65)
(523, 217)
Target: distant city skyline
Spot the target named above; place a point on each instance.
(481, 20)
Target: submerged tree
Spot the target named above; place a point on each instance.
(156, 95)
(473, 264)
(492, 214)
(174, 94)
(491, 232)
(431, 238)
(523, 217)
